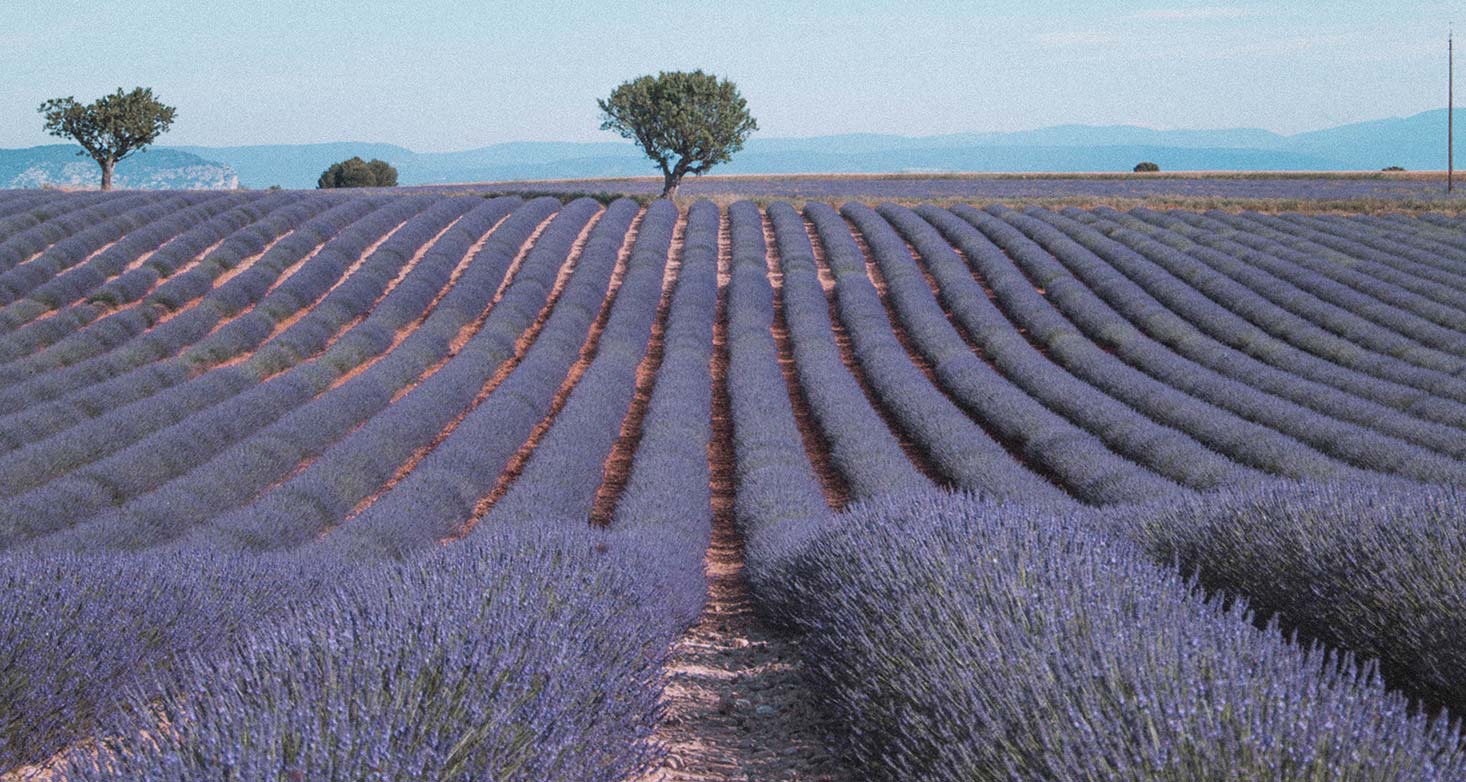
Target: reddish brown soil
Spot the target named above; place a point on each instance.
(913, 451)
(465, 334)
(293, 318)
(735, 704)
(617, 469)
(407, 330)
(401, 334)
(816, 446)
(562, 395)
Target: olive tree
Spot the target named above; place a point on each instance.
(110, 128)
(685, 122)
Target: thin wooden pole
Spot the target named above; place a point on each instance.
(1451, 112)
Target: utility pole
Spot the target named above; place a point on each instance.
(1451, 111)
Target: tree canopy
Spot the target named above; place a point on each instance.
(356, 172)
(110, 128)
(685, 122)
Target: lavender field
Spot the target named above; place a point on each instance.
(874, 479)
(1262, 189)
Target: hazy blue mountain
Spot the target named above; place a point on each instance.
(1414, 142)
(292, 165)
(155, 169)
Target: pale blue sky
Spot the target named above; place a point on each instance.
(454, 75)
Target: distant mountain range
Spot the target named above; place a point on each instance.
(1414, 142)
(59, 165)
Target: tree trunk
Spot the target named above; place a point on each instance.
(670, 181)
(107, 166)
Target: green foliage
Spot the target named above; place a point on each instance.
(110, 128)
(358, 173)
(685, 122)
(1146, 167)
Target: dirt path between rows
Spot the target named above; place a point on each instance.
(736, 706)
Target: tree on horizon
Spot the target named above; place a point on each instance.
(686, 122)
(111, 128)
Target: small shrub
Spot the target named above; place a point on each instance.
(356, 172)
(1146, 167)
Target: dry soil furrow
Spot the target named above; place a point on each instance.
(735, 705)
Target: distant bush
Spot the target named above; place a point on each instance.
(1146, 167)
(1393, 168)
(358, 173)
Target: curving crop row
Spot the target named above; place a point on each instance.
(1167, 450)
(1206, 369)
(44, 419)
(120, 344)
(1435, 264)
(82, 214)
(1073, 456)
(1445, 284)
(32, 288)
(1389, 305)
(1246, 339)
(1288, 312)
(101, 433)
(244, 443)
(965, 453)
(564, 471)
(438, 497)
(1065, 339)
(862, 447)
(80, 246)
(133, 467)
(50, 311)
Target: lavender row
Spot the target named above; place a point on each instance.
(1446, 285)
(131, 468)
(1245, 339)
(135, 338)
(1434, 263)
(325, 493)
(1067, 655)
(25, 206)
(1063, 335)
(237, 448)
(1207, 370)
(669, 490)
(76, 248)
(47, 418)
(165, 394)
(862, 447)
(1070, 455)
(364, 461)
(1291, 312)
(1130, 431)
(1385, 406)
(1394, 308)
(563, 473)
(439, 496)
(75, 217)
(1417, 297)
(777, 492)
(965, 454)
(266, 219)
(163, 239)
